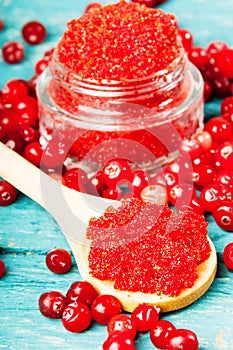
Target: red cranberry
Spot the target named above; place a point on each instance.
(8, 193)
(104, 307)
(59, 260)
(116, 171)
(95, 185)
(198, 56)
(92, 6)
(55, 153)
(186, 38)
(224, 177)
(216, 47)
(1, 24)
(14, 90)
(155, 193)
(145, 316)
(27, 111)
(52, 304)
(29, 133)
(208, 91)
(205, 140)
(181, 194)
(9, 124)
(224, 62)
(122, 323)
(182, 339)
(160, 332)
(224, 155)
(223, 216)
(219, 129)
(140, 180)
(82, 291)
(33, 153)
(34, 32)
(76, 178)
(119, 341)
(12, 52)
(76, 317)
(114, 193)
(228, 256)
(203, 175)
(41, 65)
(16, 143)
(192, 147)
(210, 197)
(227, 105)
(2, 268)
(194, 205)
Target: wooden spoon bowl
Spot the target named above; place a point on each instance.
(72, 210)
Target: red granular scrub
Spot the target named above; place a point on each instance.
(119, 42)
(161, 259)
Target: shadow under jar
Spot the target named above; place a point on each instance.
(142, 120)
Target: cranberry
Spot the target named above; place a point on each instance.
(228, 256)
(9, 123)
(41, 65)
(224, 155)
(140, 180)
(92, 6)
(114, 193)
(33, 153)
(55, 153)
(160, 332)
(182, 339)
(116, 171)
(145, 316)
(181, 194)
(224, 177)
(170, 177)
(119, 341)
(192, 147)
(155, 193)
(96, 185)
(16, 143)
(76, 178)
(216, 47)
(186, 38)
(1, 24)
(223, 216)
(122, 323)
(14, 90)
(208, 91)
(198, 56)
(219, 129)
(205, 140)
(210, 197)
(224, 62)
(227, 105)
(203, 175)
(8, 193)
(52, 304)
(34, 32)
(104, 307)
(2, 268)
(82, 291)
(219, 83)
(27, 111)
(29, 134)
(59, 260)
(12, 52)
(76, 317)
(194, 205)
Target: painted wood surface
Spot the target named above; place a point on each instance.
(27, 232)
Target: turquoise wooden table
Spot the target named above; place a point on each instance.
(27, 232)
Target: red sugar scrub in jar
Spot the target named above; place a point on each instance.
(120, 85)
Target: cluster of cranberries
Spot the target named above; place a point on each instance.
(83, 305)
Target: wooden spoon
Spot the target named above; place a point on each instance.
(72, 210)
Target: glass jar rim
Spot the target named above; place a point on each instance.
(160, 78)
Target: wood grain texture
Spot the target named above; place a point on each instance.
(27, 232)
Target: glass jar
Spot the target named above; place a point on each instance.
(141, 120)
